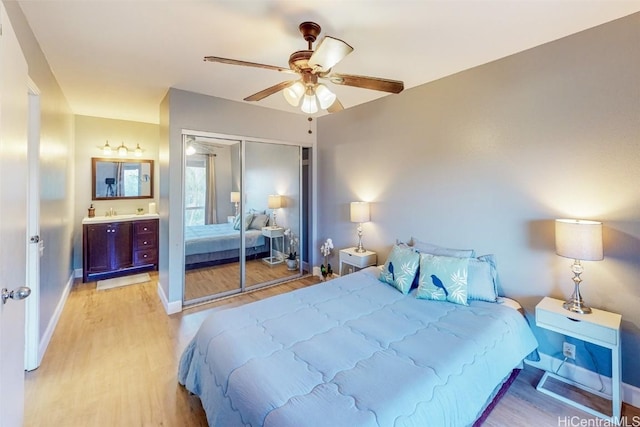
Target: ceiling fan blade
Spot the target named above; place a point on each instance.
(269, 91)
(247, 64)
(328, 53)
(374, 83)
(335, 107)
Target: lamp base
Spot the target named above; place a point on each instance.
(576, 306)
(575, 303)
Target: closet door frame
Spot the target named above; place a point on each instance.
(243, 140)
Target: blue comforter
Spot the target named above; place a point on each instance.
(352, 351)
(203, 239)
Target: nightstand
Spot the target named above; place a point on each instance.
(273, 232)
(355, 259)
(601, 328)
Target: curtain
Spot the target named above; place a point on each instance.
(210, 209)
(120, 179)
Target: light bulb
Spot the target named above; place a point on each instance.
(138, 151)
(293, 94)
(325, 97)
(309, 104)
(122, 150)
(106, 150)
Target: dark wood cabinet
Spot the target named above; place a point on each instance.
(119, 248)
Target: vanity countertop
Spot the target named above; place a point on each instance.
(119, 218)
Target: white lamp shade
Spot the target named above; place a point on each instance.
(309, 104)
(293, 94)
(579, 239)
(235, 197)
(359, 212)
(275, 202)
(326, 98)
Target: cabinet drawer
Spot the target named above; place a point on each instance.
(143, 227)
(146, 241)
(581, 329)
(147, 256)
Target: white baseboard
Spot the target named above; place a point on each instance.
(630, 394)
(170, 307)
(53, 322)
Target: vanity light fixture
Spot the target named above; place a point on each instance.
(106, 150)
(122, 150)
(138, 151)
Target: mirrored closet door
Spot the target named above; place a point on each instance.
(242, 215)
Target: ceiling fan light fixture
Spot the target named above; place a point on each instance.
(293, 94)
(309, 104)
(325, 97)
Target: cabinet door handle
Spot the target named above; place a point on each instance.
(144, 243)
(145, 229)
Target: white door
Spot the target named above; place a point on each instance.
(13, 214)
(35, 242)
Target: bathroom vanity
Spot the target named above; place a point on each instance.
(119, 245)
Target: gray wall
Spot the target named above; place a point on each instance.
(181, 110)
(56, 172)
(489, 157)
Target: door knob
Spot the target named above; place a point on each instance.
(21, 293)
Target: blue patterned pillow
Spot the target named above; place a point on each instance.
(443, 278)
(400, 268)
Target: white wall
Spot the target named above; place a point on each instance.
(488, 158)
(91, 133)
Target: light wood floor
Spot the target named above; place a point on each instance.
(206, 281)
(113, 361)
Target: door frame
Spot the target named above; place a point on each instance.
(33, 356)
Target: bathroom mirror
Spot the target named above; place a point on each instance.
(121, 179)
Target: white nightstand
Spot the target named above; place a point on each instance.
(273, 233)
(355, 259)
(601, 328)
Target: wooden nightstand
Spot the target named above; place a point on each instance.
(355, 259)
(273, 233)
(601, 328)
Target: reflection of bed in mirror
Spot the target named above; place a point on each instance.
(213, 244)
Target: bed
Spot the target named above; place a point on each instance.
(219, 243)
(353, 351)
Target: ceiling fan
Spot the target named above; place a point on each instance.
(313, 66)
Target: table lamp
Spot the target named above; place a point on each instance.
(360, 214)
(582, 241)
(235, 199)
(275, 202)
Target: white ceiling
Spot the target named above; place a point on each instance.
(116, 59)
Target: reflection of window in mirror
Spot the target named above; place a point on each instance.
(120, 179)
(195, 190)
